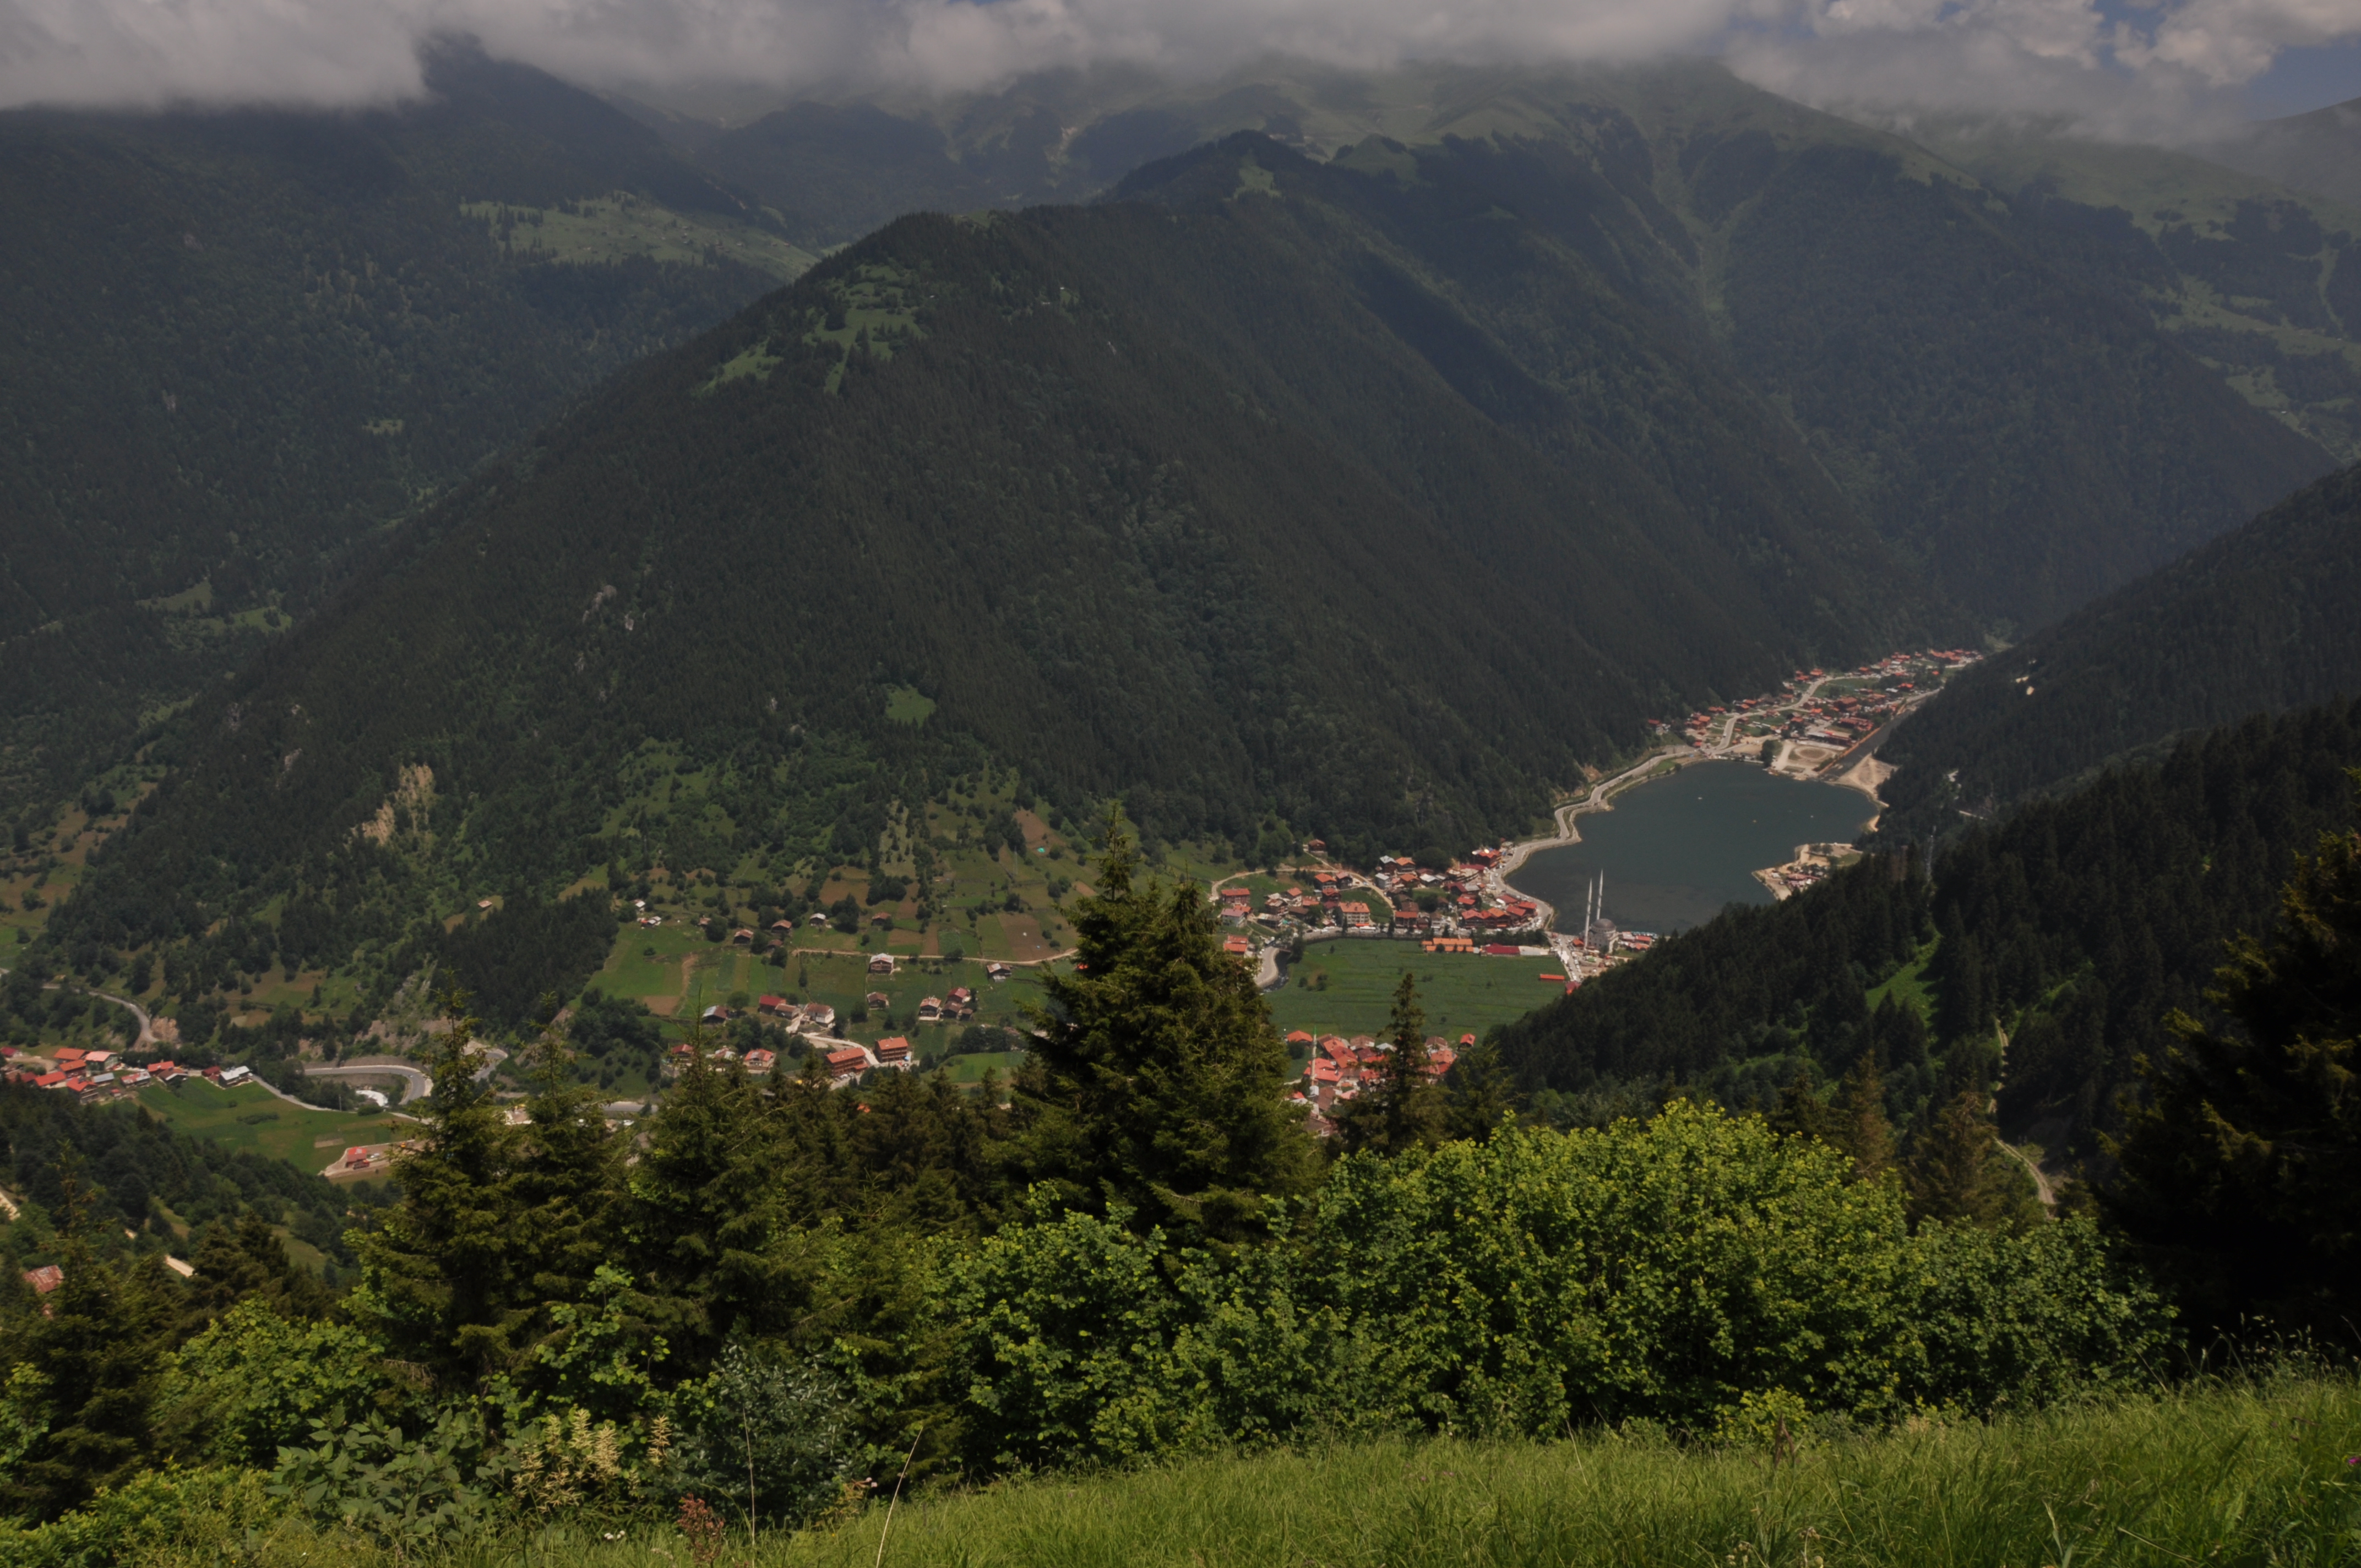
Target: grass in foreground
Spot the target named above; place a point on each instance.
(2228, 1475)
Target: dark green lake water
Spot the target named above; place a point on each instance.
(1677, 851)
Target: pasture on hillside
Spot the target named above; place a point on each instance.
(250, 1117)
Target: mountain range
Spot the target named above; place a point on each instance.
(1382, 485)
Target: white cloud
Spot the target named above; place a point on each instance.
(2043, 56)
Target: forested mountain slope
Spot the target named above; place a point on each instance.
(2068, 931)
(241, 343)
(2263, 618)
(2260, 281)
(1977, 368)
(1162, 501)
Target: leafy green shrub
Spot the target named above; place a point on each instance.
(373, 1478)
(2010, 1318)
(764, 1425)
(252, 1377)
(1659, 1269)
(1692, 1272)
(181, 1513)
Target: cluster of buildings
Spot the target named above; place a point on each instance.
(1340, 1068)
(1808, 870)
(93, 1075)
(1400, 898)
(1873, 694)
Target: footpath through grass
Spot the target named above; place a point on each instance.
(2255, 1473)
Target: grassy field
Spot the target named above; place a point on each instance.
(1909, 985)
(250, 1117)
(615, 227)
(2235, 1476)
(1461, 992)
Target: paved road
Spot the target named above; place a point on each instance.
(147, 1025)
(415, 1085)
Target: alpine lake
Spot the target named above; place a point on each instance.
(1676, 851)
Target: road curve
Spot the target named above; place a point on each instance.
(415, 1085)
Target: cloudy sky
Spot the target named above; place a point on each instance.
(2138, 67)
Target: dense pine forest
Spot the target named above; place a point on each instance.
(2258, 620)
(2047, 951)
(246, 342)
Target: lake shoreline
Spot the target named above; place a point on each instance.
(1690, 852)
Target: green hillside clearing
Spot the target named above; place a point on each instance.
(250, 1117)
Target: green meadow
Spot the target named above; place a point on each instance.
(1462, 992)
(250, 1117)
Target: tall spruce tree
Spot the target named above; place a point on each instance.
(443, 1278)
(709, 1197)
(1155, 1082)
(569, 1166)
(1478, 1093)
(1402, 1108)
(1861, 1128)
(1958, 1174)
(2241, 1173)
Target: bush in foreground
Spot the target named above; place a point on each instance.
(1694, 1270)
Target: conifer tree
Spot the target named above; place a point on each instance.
(2239, 1173)
(1861, 1128)
(441, 1279)
(1478, 1093)
(1958, 1173)
(1801, 1113)
(568, 1178)
(1402, 1108)
(100, 1342)
(1156, 1082)
(707, 1201)
(248, 1261)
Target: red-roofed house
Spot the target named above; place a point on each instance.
(45, 1278)
(773, 1004)
(894, 1051)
